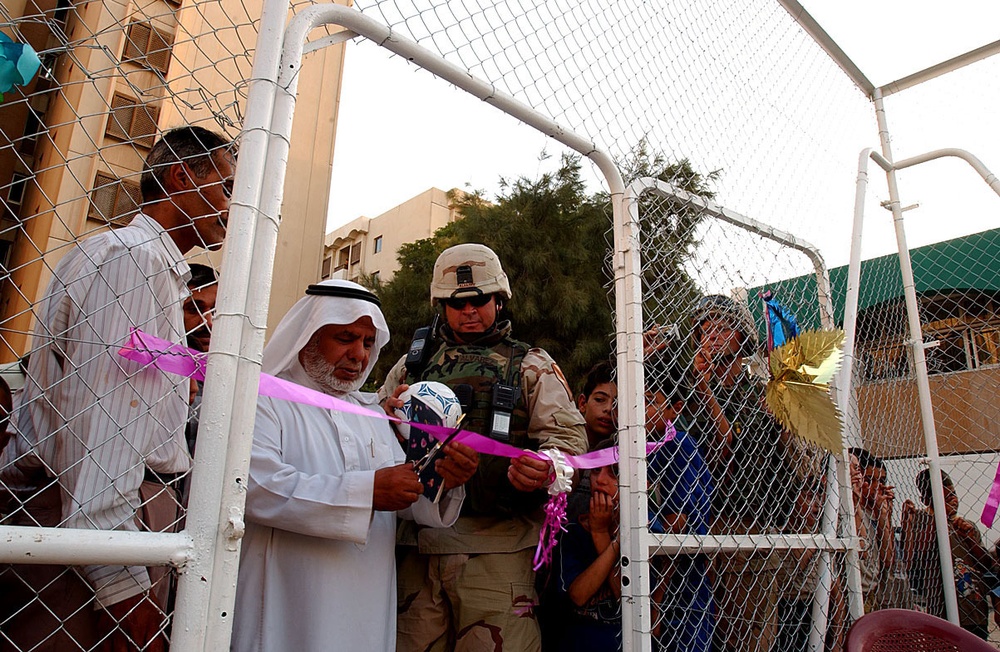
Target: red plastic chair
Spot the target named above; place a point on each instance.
(902, 630)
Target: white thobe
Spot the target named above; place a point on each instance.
(317, 569)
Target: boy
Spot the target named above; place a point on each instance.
(680, 498)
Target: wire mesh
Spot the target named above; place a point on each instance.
(770, 125)
(93, 443)
(731, 471)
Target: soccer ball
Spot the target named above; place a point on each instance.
(428, 402)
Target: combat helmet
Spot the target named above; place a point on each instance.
(737, 315)
(468, 270)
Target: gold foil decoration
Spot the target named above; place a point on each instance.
(798, 393)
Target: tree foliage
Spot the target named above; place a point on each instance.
(668, 233)
(554, 241)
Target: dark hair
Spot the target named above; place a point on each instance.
(195, 146)
(866, 460)
(607, 442)
(202, 276)
(664, 373)
(923, 481)
(600, 374)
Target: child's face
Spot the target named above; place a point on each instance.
(719, 339)
(600, 411)
(604, 480)
(659, 411)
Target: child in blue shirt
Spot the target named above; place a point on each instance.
(680, 502)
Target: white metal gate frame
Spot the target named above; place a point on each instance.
(877, 95)
(634, 515)
(915, 333)
(207, 550)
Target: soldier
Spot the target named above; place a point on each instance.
(471, 586)
(748, 454)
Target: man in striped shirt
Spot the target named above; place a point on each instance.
(108, 431)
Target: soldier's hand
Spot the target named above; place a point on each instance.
(458, 466)
(392, 403)
(396, 487)
(702, 367)
(529, 473)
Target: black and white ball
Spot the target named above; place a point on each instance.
(437, 396)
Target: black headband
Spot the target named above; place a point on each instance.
(344, 292)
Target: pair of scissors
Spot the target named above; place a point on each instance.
(421, 465)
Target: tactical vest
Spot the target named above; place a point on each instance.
(489, 492)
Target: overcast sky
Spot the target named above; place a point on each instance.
(402, 131)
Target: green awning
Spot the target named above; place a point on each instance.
(966, 263)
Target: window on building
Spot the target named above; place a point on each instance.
(327, 267)
(148, 46)
(343, 258)
(376, 278)
(987, 345)
(965, 326)
(15, 193)
(356, 253)
(378, 244)
(132, 120)
(114, 200)
(33, 127)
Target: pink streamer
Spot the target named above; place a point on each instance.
(147, 349)
(173, 358)
(992, 501)
(554, 523)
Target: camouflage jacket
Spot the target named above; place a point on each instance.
(497, 517)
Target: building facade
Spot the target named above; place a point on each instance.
(114, 74)
(367, 246)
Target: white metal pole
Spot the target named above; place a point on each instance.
(917, 346)
(56, 545)
(207, 588)
(977, 165)
(846, 398)
(636, 616)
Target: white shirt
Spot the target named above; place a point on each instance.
(317, 567)
(90, 417)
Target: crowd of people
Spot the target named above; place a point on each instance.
(342, 548)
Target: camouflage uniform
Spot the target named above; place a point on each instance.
(470, 586)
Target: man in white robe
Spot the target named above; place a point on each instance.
(317, 568)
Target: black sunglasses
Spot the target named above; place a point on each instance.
(477, 301)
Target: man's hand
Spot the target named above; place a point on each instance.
(459, 464)
(529, 473)
(965, 529)
(396, 487)
(135, 623)
(392, 403)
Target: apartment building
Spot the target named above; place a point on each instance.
(114, 74)
(367, 246)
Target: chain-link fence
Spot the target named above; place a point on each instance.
(745, 549)
(752, 536)
(98, 450)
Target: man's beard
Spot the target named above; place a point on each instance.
(322, 372)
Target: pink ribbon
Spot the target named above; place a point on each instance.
(173, 358)
(992, 501)
(554, 523)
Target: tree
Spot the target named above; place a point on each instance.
(555, 241)
(668, 234)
